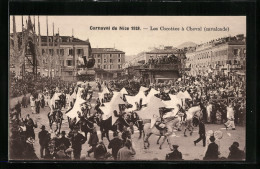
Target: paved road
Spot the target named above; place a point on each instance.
(186, 146)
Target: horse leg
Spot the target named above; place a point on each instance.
(86, 134)
(60, 126)
(158, 139)
(146, 137)
(191, 131)
(169, 143)
(185, 132)
(107, 135)
(165, 137)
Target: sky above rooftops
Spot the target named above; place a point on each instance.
(134, 41)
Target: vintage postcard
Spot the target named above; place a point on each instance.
(123, 88)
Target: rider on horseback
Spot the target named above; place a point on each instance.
(182, 113)
(160, 125)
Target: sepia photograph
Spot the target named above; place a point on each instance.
(127, 88)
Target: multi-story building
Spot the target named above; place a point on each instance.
(221, 56)
(69, 52)
(110, 60)
(166, 51)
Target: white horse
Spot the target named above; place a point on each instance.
(192, 119)
(170, 124)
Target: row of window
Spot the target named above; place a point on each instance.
(106, 61)
(107, 55)
(109, 66)
(61, 52)
(236, 52)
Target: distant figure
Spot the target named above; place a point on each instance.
(212, 151)
(201, 133)
(24, 101)
(126, 152)
(175, 155)
(230, 117)
(32, 102)
(235, 153)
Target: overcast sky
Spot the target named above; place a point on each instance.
(133, 42)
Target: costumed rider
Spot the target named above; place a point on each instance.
(160, 123)
(55, 111)
(182, 113)
(122, 120)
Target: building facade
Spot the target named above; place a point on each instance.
(109, 60)
(166, 51)
(221, 56)
(67, 52)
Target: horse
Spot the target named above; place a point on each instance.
(105, 126)
(192, 119)
(55, 117)
(170, 123)
(87, 124)
(136, 121)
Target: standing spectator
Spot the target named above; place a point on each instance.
(116, 143)
(100, 151)
(18, 107)
(93, 141)
(230, 117)
(126, 134)
(32, 102)
(212, 151)
(64, 141)
(77, 140)
(126, 152)
(175, 155)
(44, 138)
(235, 153)
(209, 111)
(30, 127)
(42, 101)
(201, 133)
(24, 101)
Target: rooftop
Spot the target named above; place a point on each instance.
(106, 50)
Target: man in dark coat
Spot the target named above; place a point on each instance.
(29, 124)
(44, 138)
(212, 151)
(201, 133)
(24, 101)
(77, 140)
(175, 155)
(235, 153)
(116, 143)
(64, 141)
(100, 151)
(93, 141)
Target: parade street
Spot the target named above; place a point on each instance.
(186, 145)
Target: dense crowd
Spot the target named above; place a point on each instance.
(30, 84)
(210, 91)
